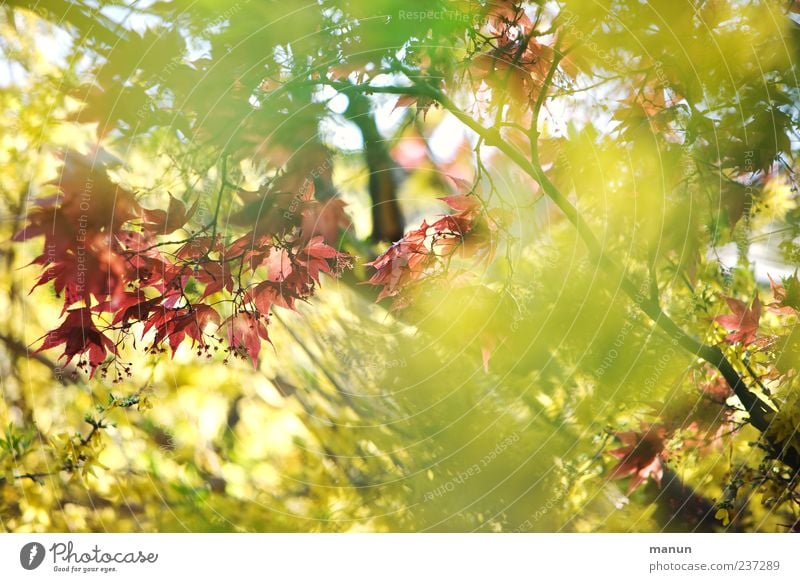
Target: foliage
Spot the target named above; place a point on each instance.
(589, 323)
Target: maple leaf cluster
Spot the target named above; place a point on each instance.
(107, 258)
(415, 256)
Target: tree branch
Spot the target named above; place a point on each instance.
(223, 172)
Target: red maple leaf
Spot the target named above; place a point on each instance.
(131, 306)
(743, 323)
(73, 271)
(279, 264)
(80, 336)
(152, 269)
(245, 332)
(786, 294)
(104, 252)
(468, 230)
(323, 218)
(516, 63)
(462, 202)
(270, 211)
(406, 261)
(199, 247)
(641, 458)
(422, 103)
(216, 276)
(403, 263)
(717, 390)
(269, 293)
